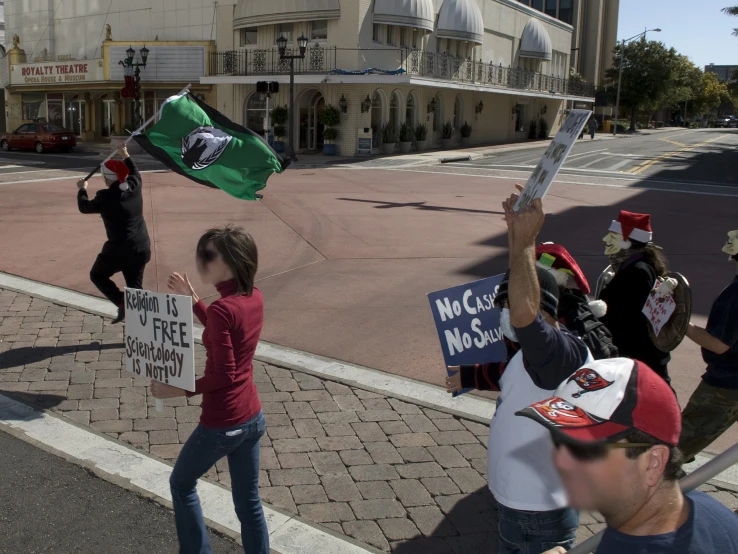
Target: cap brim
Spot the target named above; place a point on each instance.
(581, 427)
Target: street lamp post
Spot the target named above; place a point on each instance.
(282, 45)
(620, 75)
(137, 79)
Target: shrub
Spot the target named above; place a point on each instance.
(406, 132)
(331, 116)
(330, 134)
(447, 132)
(280, 131)
(389, 134)
(466, 130)
(280, 114)
(533, 129)
(421, 132)
(659, 124)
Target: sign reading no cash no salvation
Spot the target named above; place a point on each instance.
(159, 340)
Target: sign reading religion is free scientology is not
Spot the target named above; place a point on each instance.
(159, 341)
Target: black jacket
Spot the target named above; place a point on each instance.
(625, 297)
(121, 212)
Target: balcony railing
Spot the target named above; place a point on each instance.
(326, 60)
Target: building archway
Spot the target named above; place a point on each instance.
(254, 112)
(378, 116)
(439, 114)
(310, 107)
(396, 111)
(458, 112)
(411, 109)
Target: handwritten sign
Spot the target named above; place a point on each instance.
(554, 157)
(468, 323)
(659, 308)
(159, 341)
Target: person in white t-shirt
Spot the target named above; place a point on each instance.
(534, 516)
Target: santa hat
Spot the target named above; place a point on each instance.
(633, 226)
(557, 260)
(115, 170)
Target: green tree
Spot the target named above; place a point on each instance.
(647, 76)
(732, 11)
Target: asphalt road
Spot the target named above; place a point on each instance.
(48, 505)
(700, 156)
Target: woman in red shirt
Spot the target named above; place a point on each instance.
(232, 422)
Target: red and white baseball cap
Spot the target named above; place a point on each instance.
(115, 170)
(633, 226)
(562, 262)
(606, 400)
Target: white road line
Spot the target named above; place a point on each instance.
(619, 165)
(589, 164)
(86, 170)
(617, 177)
(586, 153)
(287, 534)
(432, 396)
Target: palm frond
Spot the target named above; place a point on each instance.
(731, 10)
(735, 32)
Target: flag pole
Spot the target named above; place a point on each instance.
(688, 483)
(128, 139)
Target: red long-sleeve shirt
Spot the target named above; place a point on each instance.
(232, 328)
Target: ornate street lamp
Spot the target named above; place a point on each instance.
(343, 104)
(282, 47)
(130, 57)
(432, 106)
(366, 105)
(480, 107)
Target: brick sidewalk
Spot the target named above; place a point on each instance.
(394, 475)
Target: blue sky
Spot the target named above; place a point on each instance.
(696, 28)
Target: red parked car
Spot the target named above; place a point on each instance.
(39, 137)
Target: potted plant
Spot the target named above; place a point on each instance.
(330, 118)
(406, 137)
(279, 119)
(447, 135)
(421, 136)
(389, 138)
(533, 130)
(543, 129)
(466, 131)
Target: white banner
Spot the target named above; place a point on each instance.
(554, 157)
(159, 340)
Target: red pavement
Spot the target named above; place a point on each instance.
(348, 256)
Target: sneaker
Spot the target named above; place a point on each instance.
(121, 315)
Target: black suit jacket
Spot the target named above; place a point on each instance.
(121, 212)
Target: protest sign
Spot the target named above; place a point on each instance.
(468, 323)
(659, 308)
(554, 157)
(159, 341)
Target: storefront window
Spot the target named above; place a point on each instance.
(565, 11)
(375, 33)
(255, 112)
(284, 30)
(248, 36)
(394, 115)
(391, 39)
(55, 108)
(376, 119)
(537, 4)
(33, 105)
(319, 30)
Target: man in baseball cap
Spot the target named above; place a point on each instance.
(615, 425)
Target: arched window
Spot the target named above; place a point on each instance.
(394, 114)
(376, 119)
(458, 113)
(438, 114)
(410, 110)
(255, 112)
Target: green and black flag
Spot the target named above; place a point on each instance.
(199, 142)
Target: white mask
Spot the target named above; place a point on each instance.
(731, 247)
(506, 326)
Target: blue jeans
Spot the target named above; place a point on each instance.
(536, 532)
(203, 449)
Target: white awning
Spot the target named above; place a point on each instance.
(460, 20)
(405, 13)
(535, 42)
(253, 13)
